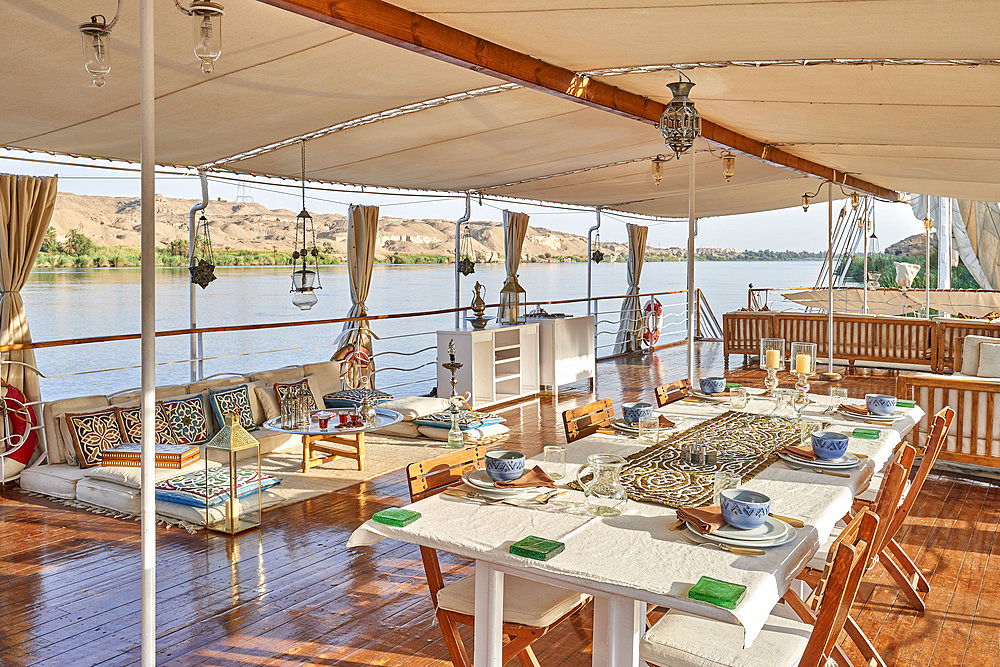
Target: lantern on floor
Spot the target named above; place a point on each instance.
(202, 259)
(232, 488)
(512, 306)
(305, 254)
(207, 24)
(96, 34)
(680, 123)
(466, 255)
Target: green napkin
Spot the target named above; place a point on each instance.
(903, 403)
(733, 385)
(868, 433)
(537, 548)
(395, 516)
(715, 591)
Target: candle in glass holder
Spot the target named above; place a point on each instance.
(772, 359)
(803, 364)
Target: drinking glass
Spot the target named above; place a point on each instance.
(738, 398)
(649, 430)
(723, 480)
(554, 461)
(837, 396)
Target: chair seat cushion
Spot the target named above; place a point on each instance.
(683, 640)
(525, 602)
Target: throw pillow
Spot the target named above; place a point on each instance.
(412, 407)
(282, 389)
(93, 432)
(130, 421)
(233, 399)
(970, 353)
(989, 360)
(466, 420)
(190, 488)
(469, 436)
(188, 420)
(352, 398)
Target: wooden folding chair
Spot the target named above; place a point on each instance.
(811, 639)
(901, 568)
(583, 421)
(669, 393)
(531, 609)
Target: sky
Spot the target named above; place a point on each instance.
(786, 229)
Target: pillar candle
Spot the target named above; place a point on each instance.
(803, 364)
(772, 359)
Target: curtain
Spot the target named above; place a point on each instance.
(515, 227)
(362, 228)
(26, 206)
(631, 324)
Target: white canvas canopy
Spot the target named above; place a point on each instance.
(851, 300)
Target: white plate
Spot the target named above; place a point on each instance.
(771, 529)
(847, 461)
(888, 419)
(624, 427)
(707, 397)
(751, 544)
(480, 481)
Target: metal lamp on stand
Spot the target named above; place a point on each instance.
(455, 438)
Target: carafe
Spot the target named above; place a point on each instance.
(605, 495)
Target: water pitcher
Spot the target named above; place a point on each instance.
(604, 493)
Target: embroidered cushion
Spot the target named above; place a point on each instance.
(130, 421)
(466, 419)
(190, 488)
(281, 389)
(352, 398)
(92, 432)
(188, 420)
(233, 399)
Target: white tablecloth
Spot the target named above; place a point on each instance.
(636, 554)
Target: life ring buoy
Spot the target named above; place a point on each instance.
(653, 313)
(23, 437)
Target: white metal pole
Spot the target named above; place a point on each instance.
(197, 365)
(591, 307)
(458, 251)
(944, 243)
(927, 271)
(691, 305)
(864, 270)
(147, 156)
(829, 229)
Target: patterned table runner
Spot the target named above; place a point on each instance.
(744, 443)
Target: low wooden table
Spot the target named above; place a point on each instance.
(334, 442)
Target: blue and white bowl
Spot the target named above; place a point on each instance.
(744, 509)
(633, 412)
(829, 445)
(504, 465)
(712, 385)
(880, 404)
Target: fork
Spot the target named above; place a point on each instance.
(743, 551)
(832, 473)
(471, 495)
(544, 498)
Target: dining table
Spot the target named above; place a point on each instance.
(636, 559)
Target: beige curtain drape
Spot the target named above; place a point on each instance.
(362, 229)
(26, 205)
(515, 228)
(631, 324)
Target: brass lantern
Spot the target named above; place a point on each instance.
(305, 254)
(512, 306)
(658, 169)
(96, 35)
(680, 123)
(728, 165)
(232, 492)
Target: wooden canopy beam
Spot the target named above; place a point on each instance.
(414, 32)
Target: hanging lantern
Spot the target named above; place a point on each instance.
(597, 256)
(805, 202)
(680, 123)
(96, 35)
(207, 32)
(305, 255)
(728, 165)
(512, 298)
(202, 259)
(658, 169)
(467, 256)
(854, 201)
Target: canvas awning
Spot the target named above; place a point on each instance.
(851, 300)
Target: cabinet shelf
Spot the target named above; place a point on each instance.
(499, 364)
(509, 376)
(506, 361)
(501, 348)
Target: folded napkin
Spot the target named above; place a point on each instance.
(802, 451)
(705, 520)
(534, 477)
(666, 423)
(859, 410)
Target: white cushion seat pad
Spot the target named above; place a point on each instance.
(52, 479)
(683, 640)
(525, 602)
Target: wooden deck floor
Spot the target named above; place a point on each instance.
(292, 593)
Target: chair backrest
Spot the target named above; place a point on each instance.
(585, 420)
(430, 477)
(846, 564)
(674, 391)
(890, 494)
(937, 434)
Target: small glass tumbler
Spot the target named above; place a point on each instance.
(723, 480)
(324, 422)
(554, 461)
(738, 398)
(343, 416)
(649, 430)
(837, 397)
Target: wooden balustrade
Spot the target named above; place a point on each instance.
(949, 334)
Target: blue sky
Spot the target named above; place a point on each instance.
(787, 229)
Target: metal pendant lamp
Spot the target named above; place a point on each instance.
(680, 123)
(305, 254)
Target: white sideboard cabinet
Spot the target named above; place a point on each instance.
(500, 364)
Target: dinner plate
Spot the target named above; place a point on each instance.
(887, 419)
(771, 529)
(847, 461)
(624, 427)
(479, 480)
(707, 397)
(787, 537)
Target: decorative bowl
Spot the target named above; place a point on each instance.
(633, 412)
(744, 509)
(712, 385)
(880, 404)
(829, 445)
(504, 465)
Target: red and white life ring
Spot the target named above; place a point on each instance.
(653, 313)
(22, 437)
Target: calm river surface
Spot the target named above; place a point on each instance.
(77, 303)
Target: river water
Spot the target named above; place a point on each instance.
(77, 303)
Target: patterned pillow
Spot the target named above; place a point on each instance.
(130, 421)
(187, 420)
(92, 432)
(281, 389)
(352, 398)
(466, 419)
(232, 399)
(189, 488)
